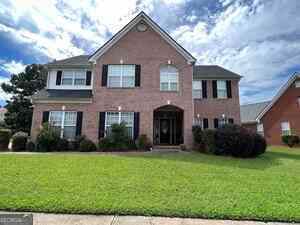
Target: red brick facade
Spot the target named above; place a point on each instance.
(151, 51)
(212, 108)
(286, 109)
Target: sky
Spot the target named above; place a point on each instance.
(258, 39)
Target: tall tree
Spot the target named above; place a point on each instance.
(22, 86)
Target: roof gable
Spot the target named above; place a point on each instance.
(281, 91)
(249, 112)
(146, 19)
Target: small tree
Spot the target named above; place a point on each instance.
(22, 86)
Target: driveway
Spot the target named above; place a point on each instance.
(64, 219)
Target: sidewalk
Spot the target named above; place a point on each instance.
(64, 219)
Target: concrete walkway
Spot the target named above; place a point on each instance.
(66, 219)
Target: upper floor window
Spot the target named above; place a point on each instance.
(168, 78)
(285, 128)
(221, 89)
(73, 78)
(297, 84)
(121, 76)
(197, 89)
(64, 123)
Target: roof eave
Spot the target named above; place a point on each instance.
(277, 96)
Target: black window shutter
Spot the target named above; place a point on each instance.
(45, 118)
(104, 75)
(78, 123)
(137, 75)
(58, 77)
(228, 87)
(136, 125)
(88, 78)
(215, 89)
(205, 123)
(101, 125)
(230, 120)
(216, 123)
(204, 89)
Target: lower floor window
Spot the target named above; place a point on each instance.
(64, 123)
(285, 128)
(117, 118)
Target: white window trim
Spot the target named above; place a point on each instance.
(169, 81)
(285, 130)
(260, 129)
(119, 121)
(121, 76)
(201, 92)
(73, 78)
(221, 97)
(62, 125)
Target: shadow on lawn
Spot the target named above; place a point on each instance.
(261, 163)
(290, 154)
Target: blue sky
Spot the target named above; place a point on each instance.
(259, 39)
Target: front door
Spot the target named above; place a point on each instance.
(165, 131)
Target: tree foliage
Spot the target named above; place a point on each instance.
(22, 86)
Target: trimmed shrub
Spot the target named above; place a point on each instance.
(208, 140)
(74, 145)
(47, 139)
(260, 145)
(290, 140)
(87, 145)
(4, 139)
(143, 142)
(62, 144)
(117, 140)
(197, 134)
(19, 141)
(232, 139)
(30, 146)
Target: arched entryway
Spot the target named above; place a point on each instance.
(168, 125)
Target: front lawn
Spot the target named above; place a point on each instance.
(170, 184)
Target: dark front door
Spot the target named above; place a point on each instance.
(165, 131)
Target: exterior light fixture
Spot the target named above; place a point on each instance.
(63, 108)
(119, 108)
(168, 102)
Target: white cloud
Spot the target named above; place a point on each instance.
(12, 67)
(257, 41)
(4, 96)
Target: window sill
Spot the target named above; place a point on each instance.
(122, 88)
(169, 91)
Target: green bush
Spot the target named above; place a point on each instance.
(62, 145)
(208, 140)
(117, 140)
(47, 139)
(197, 138)
(74, 145)
(143, 142)
(19, 141)
(4, 139)
(87, 145)
(30, 146)
(290, 140)
(260, 145)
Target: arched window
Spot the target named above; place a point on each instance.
(168, 78)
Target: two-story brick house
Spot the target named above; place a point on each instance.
(140, 76)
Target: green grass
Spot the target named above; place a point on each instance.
(173, 184)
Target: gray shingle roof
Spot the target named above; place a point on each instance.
(249, 112)
(213, 72)
(80, 60)
(62, 95)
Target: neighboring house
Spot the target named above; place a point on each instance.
(2, 114)
(278, 117)
(140, 76)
